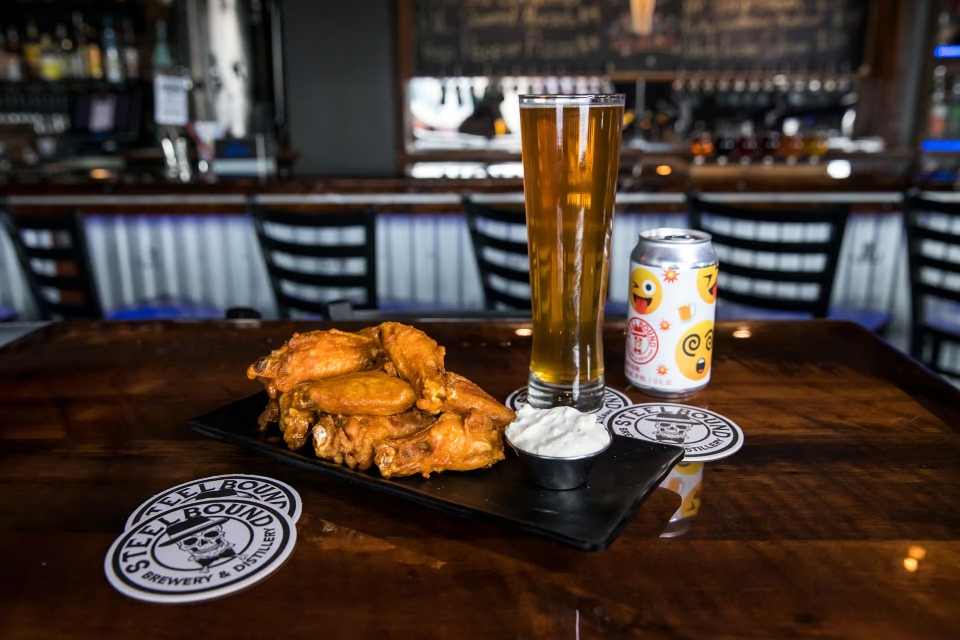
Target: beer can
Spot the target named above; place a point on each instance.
(671, 308)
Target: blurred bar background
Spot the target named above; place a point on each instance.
(162, 122)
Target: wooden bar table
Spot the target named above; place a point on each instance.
(839, 517)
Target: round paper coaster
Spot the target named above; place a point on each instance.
(278, 495)
(705, 435)
(200, 551)
(612, 401)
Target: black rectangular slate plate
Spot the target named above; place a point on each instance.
(588, 518)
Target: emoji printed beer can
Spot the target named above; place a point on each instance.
(670, 312)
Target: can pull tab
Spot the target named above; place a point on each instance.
(681, 237)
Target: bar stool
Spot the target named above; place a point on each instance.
(296, 268)
(503, 278)
(933, 249)
(56, 264)
(780, 296)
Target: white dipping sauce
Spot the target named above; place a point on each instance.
(560, 432)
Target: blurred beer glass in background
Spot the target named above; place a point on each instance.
(571, 156)
(641, 16)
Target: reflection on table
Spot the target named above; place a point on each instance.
(685, 479)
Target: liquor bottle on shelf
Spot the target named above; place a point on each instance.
(953, 110)
(66, 52)
(32, 51)
(725, 145)
(13, 63)
(162, 60)
(111, 53)
(94, 54)
(746, 147)
(815, 145)
(946, 30)
(662, 130)
(791, 143)
(49, 60)
(131, 56)
(937, 116)
(701, 143)
(769, 146)
(937, 119)
(79, 67)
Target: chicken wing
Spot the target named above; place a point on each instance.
(368, 393)
(314, 356)
(418, 360)
(359, 435)
(295, 423)
(270, 415)
(463, 395)
(453, 443)
(325, 433)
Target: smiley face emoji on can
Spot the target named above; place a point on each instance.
(695, 351)
(645, 291)
(707, 283)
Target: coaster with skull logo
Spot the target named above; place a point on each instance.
(704, 435)
(200, 550)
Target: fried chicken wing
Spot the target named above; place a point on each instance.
(383, 363)
(314, 356)
(462, 396)
(324, 436)
(359, 435)
(295, 423)
(270, 415)
(368, 393)
(453, 443)
(418, 360)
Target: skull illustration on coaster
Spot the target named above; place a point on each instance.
(202, 538)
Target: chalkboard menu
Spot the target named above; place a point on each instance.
(481, 37)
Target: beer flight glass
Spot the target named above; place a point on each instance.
(571, 157)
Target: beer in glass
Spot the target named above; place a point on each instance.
(571, 156)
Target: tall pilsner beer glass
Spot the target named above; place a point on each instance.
(571, 156)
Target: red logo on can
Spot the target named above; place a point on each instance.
(642, 342)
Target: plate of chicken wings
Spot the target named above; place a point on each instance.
(379, 397)
(378, 407)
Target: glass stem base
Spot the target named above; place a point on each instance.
(584, 397)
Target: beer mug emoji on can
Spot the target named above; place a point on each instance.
(670, 312)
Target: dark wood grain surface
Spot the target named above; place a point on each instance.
(850, 459)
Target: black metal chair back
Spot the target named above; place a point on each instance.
(67, 288)
(704, 215)
(477, 215)
(301, 277)
(933, 250)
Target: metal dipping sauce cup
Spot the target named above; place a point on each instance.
(559, 474)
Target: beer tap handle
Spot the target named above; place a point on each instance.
(183, 159)
(169, 157)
